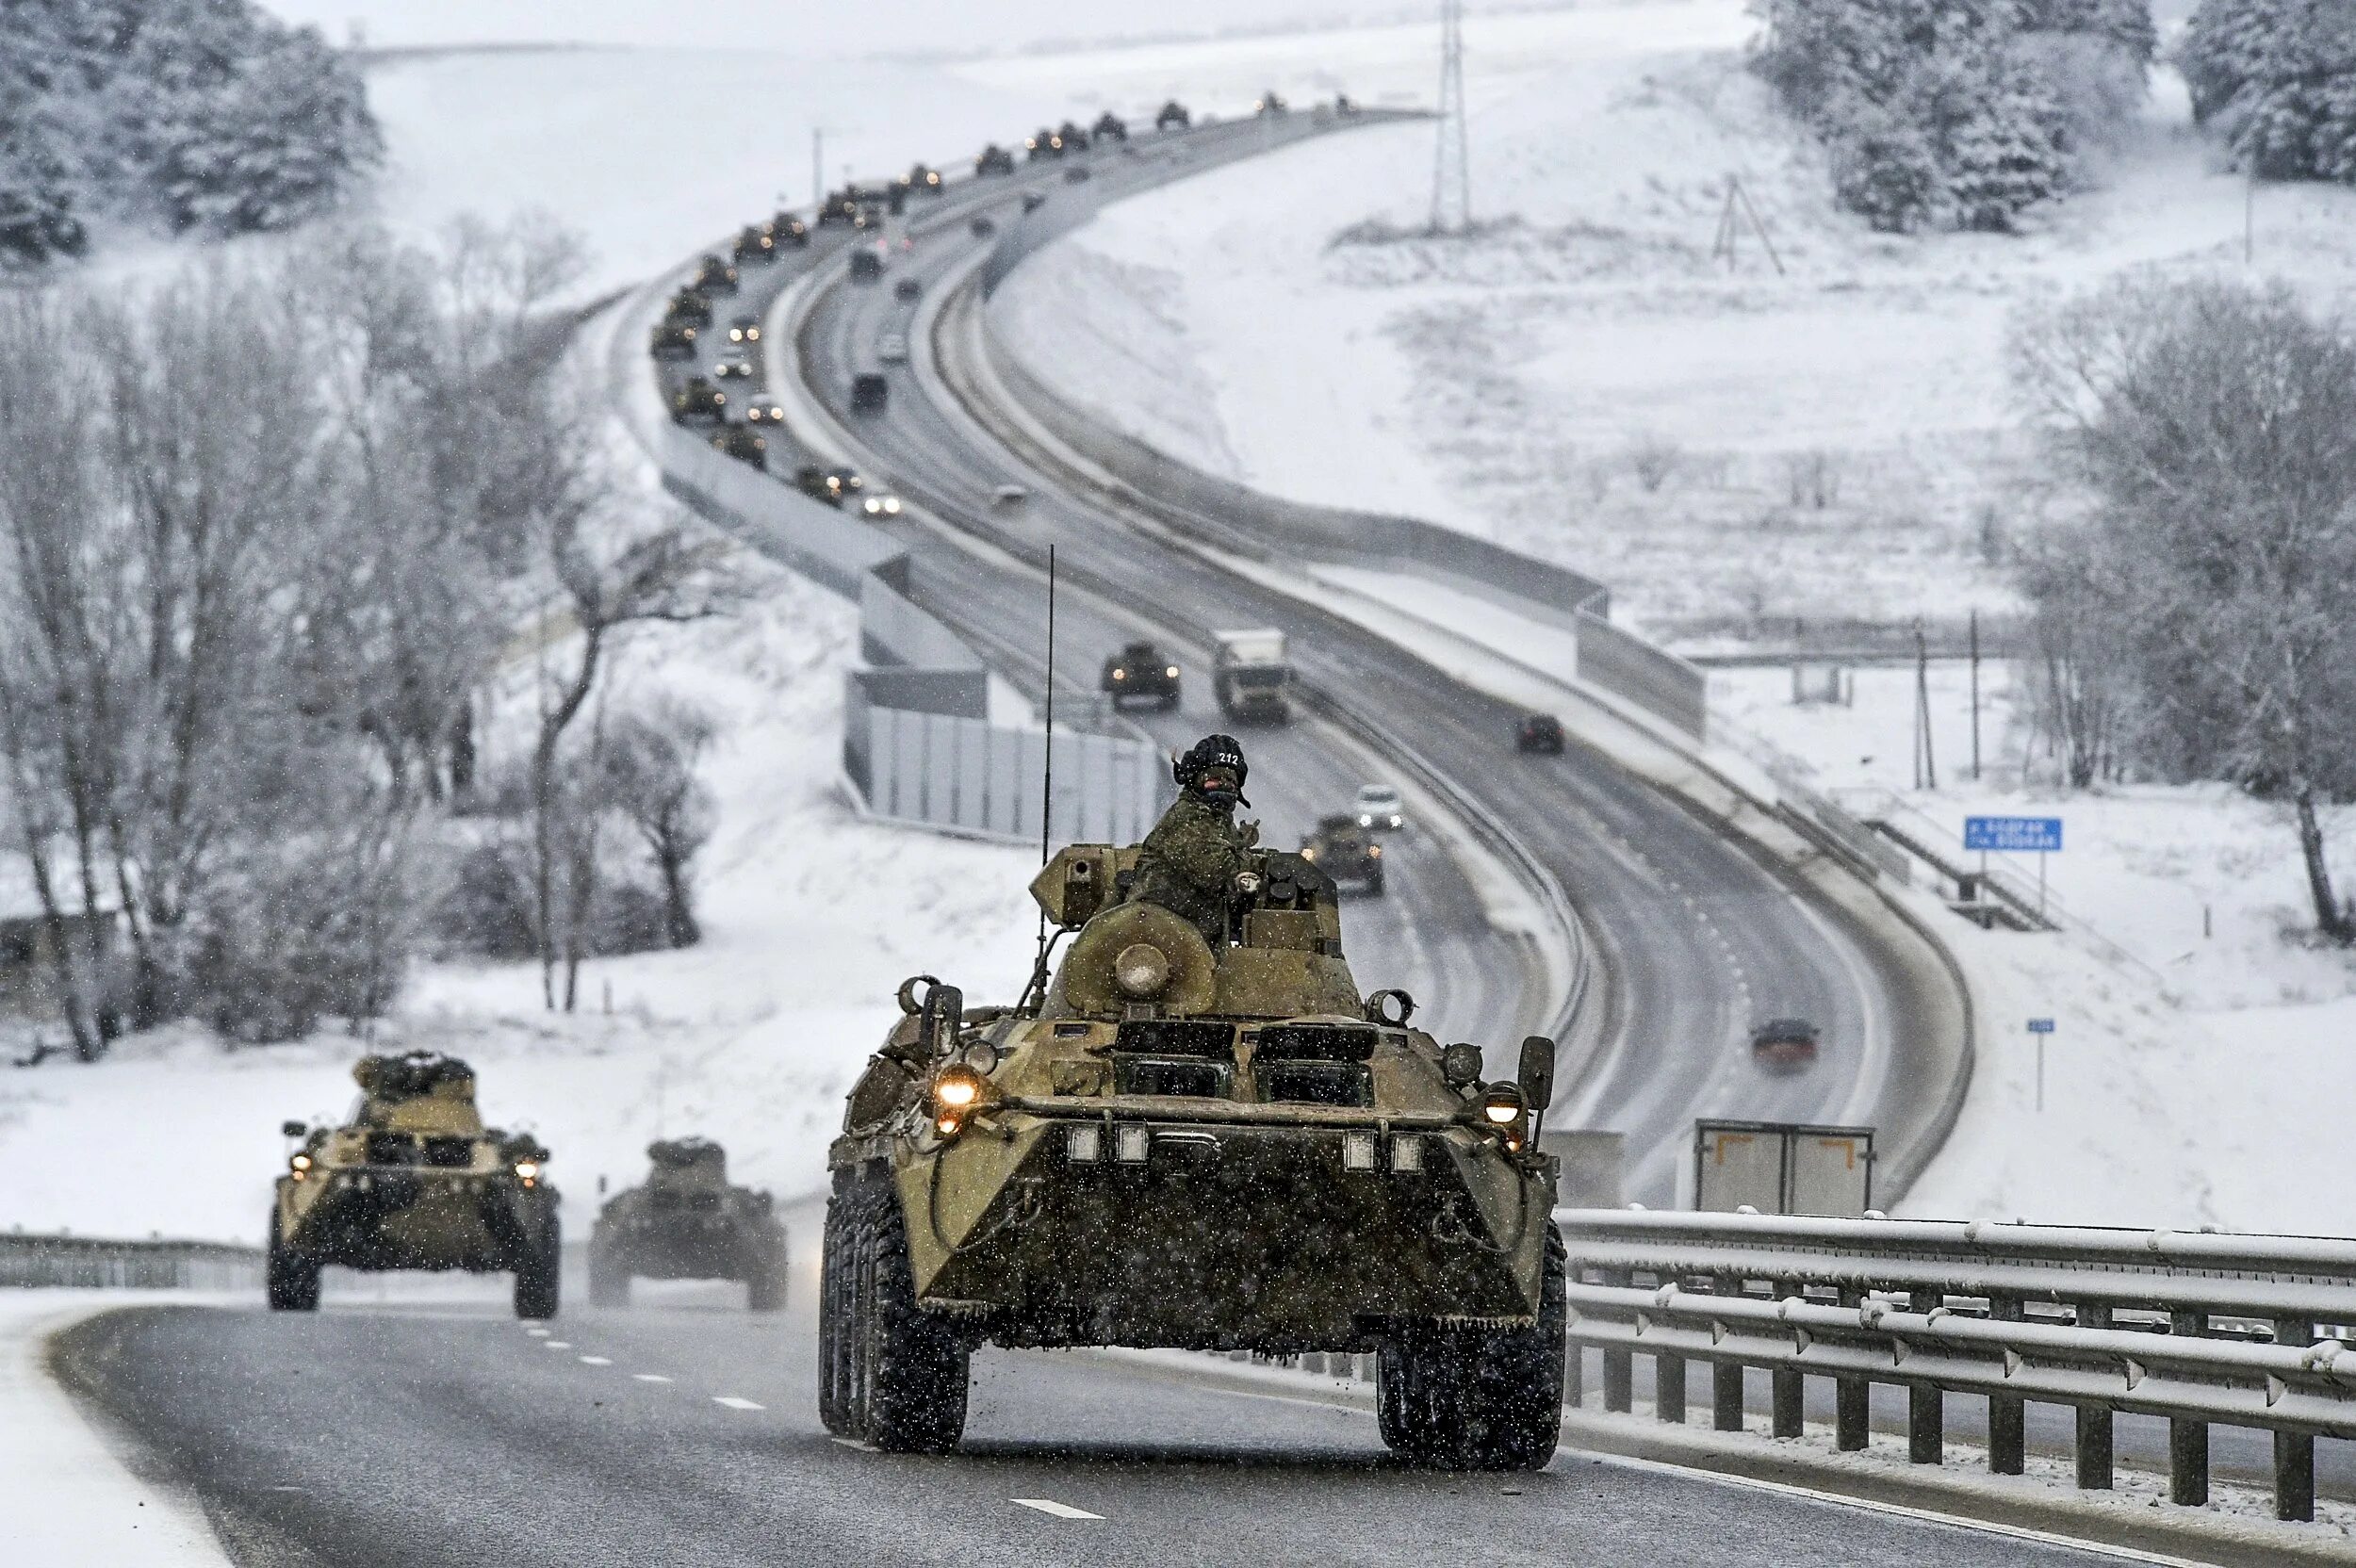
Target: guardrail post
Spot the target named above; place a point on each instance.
(2096, 1448)
(1619, 1366)
(2008, 1416)
(2294, 1452)
(1927, 1402)
(1787, 1419)
(1852, 1396)
(1668, 1388)
(1725, 1377)
(2187, 1436)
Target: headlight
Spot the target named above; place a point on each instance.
(957, 1089)
(752, 334)
(1121, 675)
(1507, 1115)
(1310, 855)
(719, 396)
(1171, 672)
(1374, 852)
(892, 505)
(1365, 819)
(301, 1163)
(1500, 1110)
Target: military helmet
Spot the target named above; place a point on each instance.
(1212, 751)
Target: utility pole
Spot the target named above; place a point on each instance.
(1926, 776)
(1451, 174)
(817, 167)
(1975, 696)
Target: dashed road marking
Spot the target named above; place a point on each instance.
(537, 1333)
(852, 1442)
(556, 1344)
(596, 1361)
(1048, 1504)
(735, 1402)
(650, 1376)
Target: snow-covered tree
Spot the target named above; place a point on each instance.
(2278, 79)
(37, 190)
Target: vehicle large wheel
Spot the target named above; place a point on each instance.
(609, 1277)
(1479, 1399)
(913, 1366)
(290, 1280)
(1374, 884)
(537, 1276)
(838, 1253)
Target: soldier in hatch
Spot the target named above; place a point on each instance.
(1189, 862)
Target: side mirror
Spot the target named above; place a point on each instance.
(1537, 1074)
(292, 1129)
(941, 1021)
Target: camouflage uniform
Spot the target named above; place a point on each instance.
(1189, 863)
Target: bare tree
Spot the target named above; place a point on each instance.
(652, 761)
(2216, 426)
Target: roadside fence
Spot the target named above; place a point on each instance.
(94, 1262)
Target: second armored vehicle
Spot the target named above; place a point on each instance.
(414, 1180)
(1140, 671)
(1217, 1145)
(698, 399)
(1345, 852)
(687, 1223)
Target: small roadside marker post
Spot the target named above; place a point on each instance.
(2038, 1029)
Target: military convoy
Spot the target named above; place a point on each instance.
(687, 1222)
(1212, 1146)
(414, 1179)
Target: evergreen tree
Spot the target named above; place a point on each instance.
(2279, 78)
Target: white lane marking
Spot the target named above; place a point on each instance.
(650, 1376)
(596, 1361)
(1048, 1504)
(734, 1402)
(852, 1442)
(537, 1333)
(556, 1344)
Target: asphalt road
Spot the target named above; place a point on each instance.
(1697, 938)
(440, 1433)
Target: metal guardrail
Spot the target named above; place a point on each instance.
(2198, 1327)
(94, 1262)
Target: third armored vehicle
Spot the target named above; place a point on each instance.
(1346, 852)
(414, 1180)
(1139, 670)
(1207, 1145)
(687, 1223)
(698, 399)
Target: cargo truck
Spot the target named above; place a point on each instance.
(1249, 676)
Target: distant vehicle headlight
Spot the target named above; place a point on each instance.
(527, 1170)
(1171, 672)
(1365, 819)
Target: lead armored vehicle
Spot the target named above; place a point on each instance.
(686, 1222)
(414, 1179)
(1346, 852)
(1140, 670)
(1168, 1142)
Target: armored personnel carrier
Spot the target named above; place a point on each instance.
(1346, 852)
(1140, 670)
(687, 1223)
(790, 230)
(1213, 1146)
(1173, 116)
(1109, 127)
(756, 243)
(414, 1180)
(742, 443)
(714, 277)
(690, 307)
(698, 398)
(993, 159)
(672, 339)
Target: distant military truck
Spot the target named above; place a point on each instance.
(866, 265)
(714, 277)
(698, 399)
(686, 1222)
(756, 243)
(673, 340)
(993, 159)
(1174, 116)
(1249, 674)
(414, 1179)
(1110, 127)
(743, 443)
(690, 307)
(1346, 852)
(1140, 672)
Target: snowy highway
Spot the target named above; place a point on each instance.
(686, 1430)
(1695, 939)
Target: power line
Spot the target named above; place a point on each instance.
(1451, 177)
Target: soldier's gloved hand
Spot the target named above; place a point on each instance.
(1250, 832)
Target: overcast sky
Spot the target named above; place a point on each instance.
(835, 28)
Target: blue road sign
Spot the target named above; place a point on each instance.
(2013, 835)
(2041, 1026)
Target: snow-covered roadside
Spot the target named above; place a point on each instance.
(69, 1499)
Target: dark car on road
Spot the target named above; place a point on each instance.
(870, 391)
(908, 288)
(1046, 144)
(866, 265)
(764, 410)
(698, 399)
(714, 277)
(745, 329)
(923, 177)
(1541, 733)
(1785, 1044)
(1346, 852)
(1141, 671)
(983, 228)
(743, 443)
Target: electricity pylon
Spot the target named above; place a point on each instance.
(1451, 178)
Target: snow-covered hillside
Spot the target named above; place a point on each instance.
(1582, 379)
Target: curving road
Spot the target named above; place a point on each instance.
(445, 1432)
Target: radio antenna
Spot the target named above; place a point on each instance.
(1046, 788)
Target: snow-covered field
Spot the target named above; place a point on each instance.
(1582, 379)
